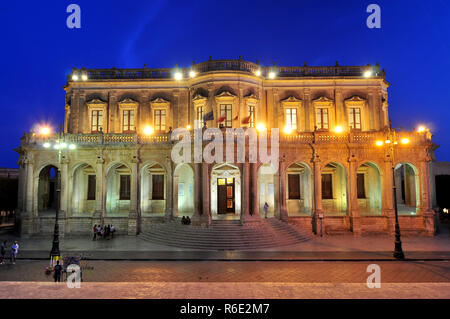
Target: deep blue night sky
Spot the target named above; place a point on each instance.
(38, 50)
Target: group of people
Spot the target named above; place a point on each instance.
(106, 231)
(13, 252)
(186, 220)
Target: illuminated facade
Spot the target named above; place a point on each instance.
(115, 164)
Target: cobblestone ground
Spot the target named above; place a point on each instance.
(251, 271)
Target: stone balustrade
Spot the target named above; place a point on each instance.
(165, 138)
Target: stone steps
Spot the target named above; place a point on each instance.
(226, 235)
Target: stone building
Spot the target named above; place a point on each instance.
(114, 154)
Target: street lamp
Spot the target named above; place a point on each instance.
(390, 142)
(55, 254)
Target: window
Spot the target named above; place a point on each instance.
(251, 113)
(160, 120)
(96, 121)
(294, 186)
(128, 121)
(291, 118)
(124, 187)
(225, 110)
(157, 186)
(91, 187)
(360, 189)
(327, 187)
(322, 118)
(354, 118)
(199, 116)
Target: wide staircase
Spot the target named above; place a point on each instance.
(226, 235)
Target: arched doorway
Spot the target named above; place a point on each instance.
(47, 193)
(407, 188)
(368, 189)
(153, 189)
(225, 192)
(118, 190)
(83, 190)
(266, 182)
(299, 189)
(334, 189)
(183, 179)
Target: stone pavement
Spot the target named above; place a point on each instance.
(338, 247)
(238, 271)
(224, 290)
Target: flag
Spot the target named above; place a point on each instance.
(208, 116)
(246, 120)
(221, 119)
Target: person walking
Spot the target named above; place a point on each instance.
(14, 251)
(3, 252)
(112, 231)
(95, 232)
(57, 272)
(266, 208)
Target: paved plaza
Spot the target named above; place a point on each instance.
(339, 247)
(213, 279)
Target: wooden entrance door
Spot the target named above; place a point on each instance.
(225, 195)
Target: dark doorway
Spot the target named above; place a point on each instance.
(443, 191)
(225, 196)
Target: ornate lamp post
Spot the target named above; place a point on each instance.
(60, 145)
(391, 141)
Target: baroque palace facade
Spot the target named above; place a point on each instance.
(113, 155)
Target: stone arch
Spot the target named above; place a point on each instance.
(299, 189)
(368, 188)
(225, 171)
(407, 184)
(83, 189)
(118, 189)
(47, 179)
(267, 177)
(183, 190)
(154, 189)
(334, 189)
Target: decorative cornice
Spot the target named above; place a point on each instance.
(128, 100)
(291, 99)
(96, 101)
(355, 98)
(225, 94)
(159, 100)
(323, 99)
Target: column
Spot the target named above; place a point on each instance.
(353, 204)
(64, 186)
(254, 193)
(143, 109)
(282, 193)
(197, 194)
(75, 112)
(83, 116)
(425, 199)
(245, 191)
(29, 186)
(341, 118)
(99, 181)
(114, 120)
(309, 115)
(132, 217)
(206, 211)
(169, 189)
(318, 213)
(388, 202)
